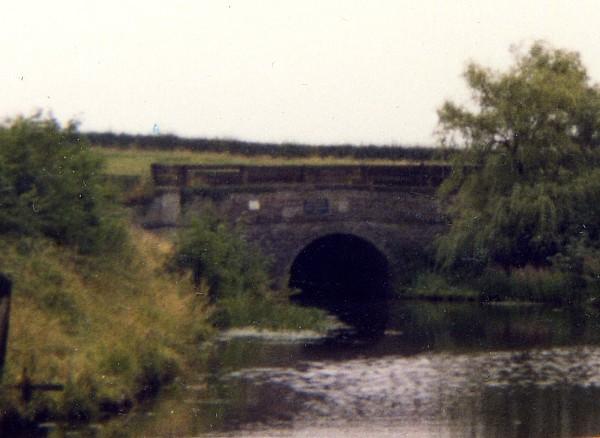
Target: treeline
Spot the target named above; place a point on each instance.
(286, 150)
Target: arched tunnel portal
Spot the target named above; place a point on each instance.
(345, 275)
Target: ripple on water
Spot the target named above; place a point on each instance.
(426, 387)
(281, 336)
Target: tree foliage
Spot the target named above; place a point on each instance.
(50, 185)
(527, 184)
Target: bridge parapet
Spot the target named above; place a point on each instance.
(191, 176)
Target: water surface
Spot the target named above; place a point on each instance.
(440, 369)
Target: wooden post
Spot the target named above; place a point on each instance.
(5, 290)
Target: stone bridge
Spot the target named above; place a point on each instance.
(312, 220)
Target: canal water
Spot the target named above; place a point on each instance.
(438, 370)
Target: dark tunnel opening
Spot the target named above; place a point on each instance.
(347, 276)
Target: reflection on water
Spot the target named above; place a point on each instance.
(498, 394)
(439, 370)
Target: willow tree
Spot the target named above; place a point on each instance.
(526, 185)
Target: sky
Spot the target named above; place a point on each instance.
(319, 72)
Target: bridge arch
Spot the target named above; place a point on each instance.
(291, 241)
(341, 263)
(345, 274)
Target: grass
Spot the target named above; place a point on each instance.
(136, 162)
(527, 284)
(532, 285)
(432, 286)
(112, 330)
(270, 312)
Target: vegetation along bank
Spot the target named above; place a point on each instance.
(110, 312)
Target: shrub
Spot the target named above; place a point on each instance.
(237, 279)
(50, 184)
(221, 258)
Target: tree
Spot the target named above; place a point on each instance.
(50, 185)
(522, 189)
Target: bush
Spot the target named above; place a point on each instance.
(221, 258)
(237, 280)
(50, 184)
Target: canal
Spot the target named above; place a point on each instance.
(439, 369)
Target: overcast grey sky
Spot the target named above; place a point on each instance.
(309, 71)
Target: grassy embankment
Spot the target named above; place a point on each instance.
(113, 329)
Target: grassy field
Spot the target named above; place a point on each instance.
(136, 162)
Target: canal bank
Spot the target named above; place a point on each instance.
(111, 330)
